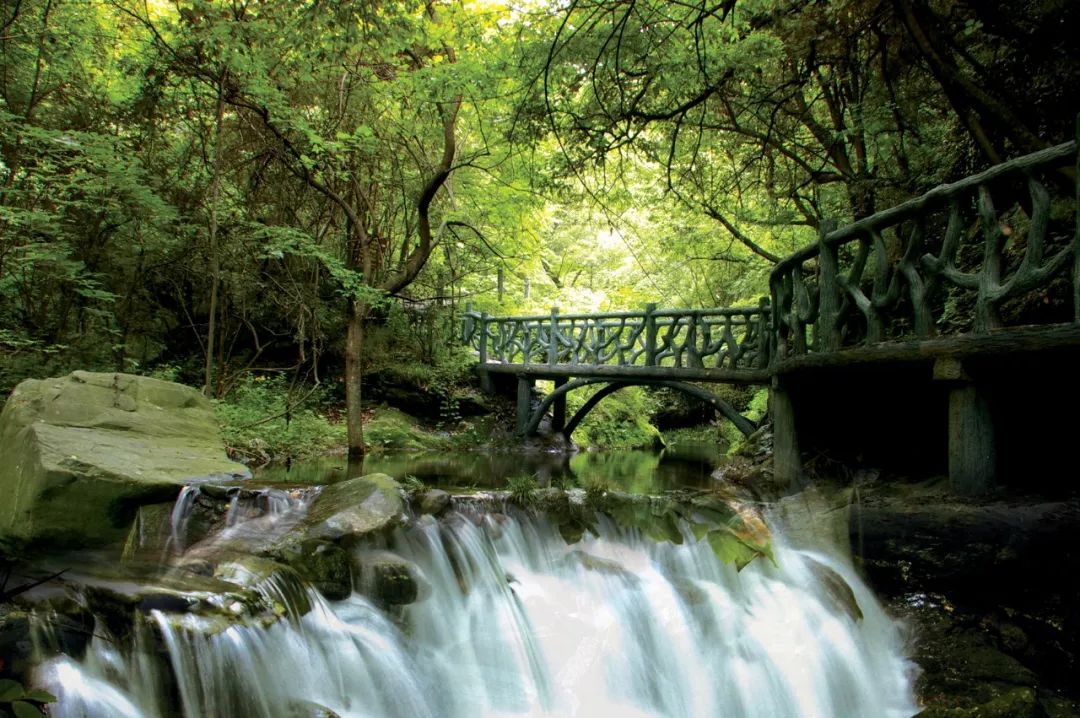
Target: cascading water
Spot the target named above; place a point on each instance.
(515, 622)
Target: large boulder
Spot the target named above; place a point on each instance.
(357, 507)
(82, 452)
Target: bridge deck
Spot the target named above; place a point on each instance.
(632, 373)
(1001, 342)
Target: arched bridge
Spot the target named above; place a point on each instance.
(653, 347)
(944, 320)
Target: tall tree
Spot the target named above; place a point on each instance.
(367, 120)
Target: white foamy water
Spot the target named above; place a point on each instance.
(518, 623)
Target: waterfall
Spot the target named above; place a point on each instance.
(518, 623)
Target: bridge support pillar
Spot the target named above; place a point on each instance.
(558, 409)
(787, 461)
(524, 402)
(972, 455)
(486, 384)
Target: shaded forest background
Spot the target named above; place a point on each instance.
(215, 191)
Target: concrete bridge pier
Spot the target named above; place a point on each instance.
(558, 409)
(787, 461)
(972, 453)
(525, 386)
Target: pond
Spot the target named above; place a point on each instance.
(685, 465)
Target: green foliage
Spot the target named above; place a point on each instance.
(420, 349)
(619, 421)
(596, 485)
(522, 490)
(265, 419)
(412, 484)
(123, 241)
(755, 411)
(711, 432)
(736, 533)
(19, 702)
(480, 432)
(390, 429)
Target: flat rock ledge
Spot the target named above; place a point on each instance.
(82, 452)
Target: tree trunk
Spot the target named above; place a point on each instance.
(212, 231)
(354, 373)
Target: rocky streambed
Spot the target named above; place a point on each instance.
(148, 539)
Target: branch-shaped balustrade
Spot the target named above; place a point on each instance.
(731, 338)
(963, 258)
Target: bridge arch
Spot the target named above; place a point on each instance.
(743, 424)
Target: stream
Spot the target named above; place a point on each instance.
(512, 620)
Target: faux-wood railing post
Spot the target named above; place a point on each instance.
(828, 292)
(468, 323)
(553, 338)
(650, 334)
(764, 338)
(483, 337)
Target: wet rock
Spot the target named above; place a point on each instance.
(280, 586)
(818, 517)
(837, 590)
(390, 580)
(84, 451)
(150, 533)
(115, 610)
(602, 566)
(1013, 703)
(327, 567)
(169, 603)
(16, 648)
(354, 508)
(912, 539)
(309, 709)
(690, 591)
(433, 502)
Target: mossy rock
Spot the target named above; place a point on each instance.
(395, 430)
(84, 451)
(1013, 703)
(327, 567)
(390, 580)
(357, 507)
(433, 501)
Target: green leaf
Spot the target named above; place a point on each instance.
(730, 549)
(22, 709)
(39, 696)
(10, 691)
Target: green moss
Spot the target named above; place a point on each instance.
(755, 411)
(618, 422)
(1013, 703)
(389, 428)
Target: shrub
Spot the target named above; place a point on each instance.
(522, 490)
(262, 420)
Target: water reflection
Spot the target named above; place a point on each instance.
(687, 465)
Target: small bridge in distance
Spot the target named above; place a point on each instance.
(669, 348)
(926, 326)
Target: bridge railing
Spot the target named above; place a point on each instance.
(996, 249)
(731, 338)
